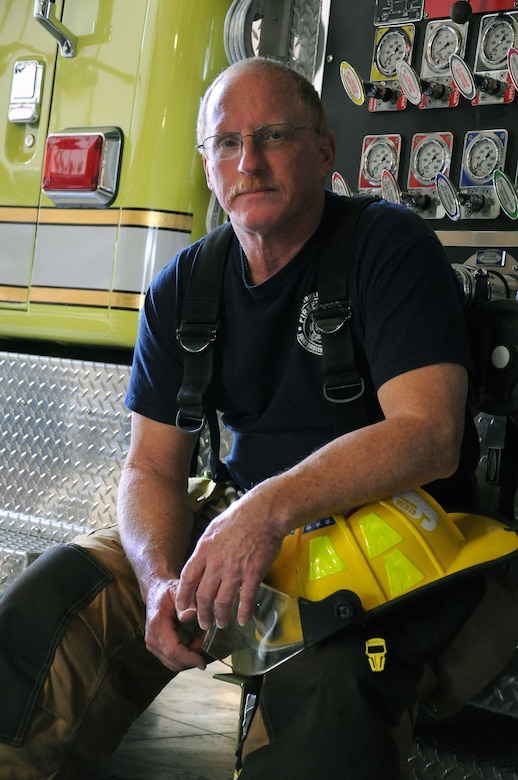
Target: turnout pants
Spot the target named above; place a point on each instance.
(75, 673)
(345, 709)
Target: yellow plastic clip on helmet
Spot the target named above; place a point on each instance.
(334, 571)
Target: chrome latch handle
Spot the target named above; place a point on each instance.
(43, 13)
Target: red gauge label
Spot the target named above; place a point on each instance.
(438, 9)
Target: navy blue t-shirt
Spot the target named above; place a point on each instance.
(267, 380)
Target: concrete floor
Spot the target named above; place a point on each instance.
(188, 733)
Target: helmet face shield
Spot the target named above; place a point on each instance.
(271, 636)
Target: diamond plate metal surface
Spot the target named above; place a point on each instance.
(432, 762)
(243, 31)
(64, 436)
(502, 695)
(305, 37)
(473, 745)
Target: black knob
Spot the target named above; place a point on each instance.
(461, 11)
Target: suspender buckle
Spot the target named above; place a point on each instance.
(195, 337)
(344, 393)
(330, 317)
(189, 424)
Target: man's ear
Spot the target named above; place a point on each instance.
(207, 174)
(328, 149)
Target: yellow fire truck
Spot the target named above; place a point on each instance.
(100, 182)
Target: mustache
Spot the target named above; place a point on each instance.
(248, 184)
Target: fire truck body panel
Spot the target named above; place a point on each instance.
(78, 274)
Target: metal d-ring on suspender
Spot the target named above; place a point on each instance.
(343, 386)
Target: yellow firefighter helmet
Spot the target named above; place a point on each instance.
(386, 550)
(343, 568)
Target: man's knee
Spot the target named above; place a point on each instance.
(34, 613)
(73, 664)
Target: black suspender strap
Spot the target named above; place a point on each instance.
(343, 385)
(198, 328)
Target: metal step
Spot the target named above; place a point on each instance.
(501, 696)
(473, 745)
(63, 440)
(23, 538)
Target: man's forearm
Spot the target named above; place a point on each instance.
(367, 465)
(155, 521)
(418, 443)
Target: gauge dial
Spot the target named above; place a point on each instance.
(431, 156)
(394, 45)
(444, 41)
(380, 155)
(498, 38)
(482, 157)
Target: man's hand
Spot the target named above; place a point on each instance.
(229, 562)
(177, 646)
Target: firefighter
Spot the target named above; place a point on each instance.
(97, 628)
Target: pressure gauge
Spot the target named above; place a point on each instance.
(430, 157)
(498, 37)
(445, 40)
(393, 45)
(483, 154)
(379, 155)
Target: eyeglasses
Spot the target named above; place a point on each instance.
(225, 146)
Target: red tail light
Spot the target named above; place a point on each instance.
(81, 167)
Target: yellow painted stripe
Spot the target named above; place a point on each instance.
(64, 296)
(18, 214)
(79, 217)
(166, 220)
(125, 300)
(13, 294)
(161, 219)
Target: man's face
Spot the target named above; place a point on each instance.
(266, 191)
